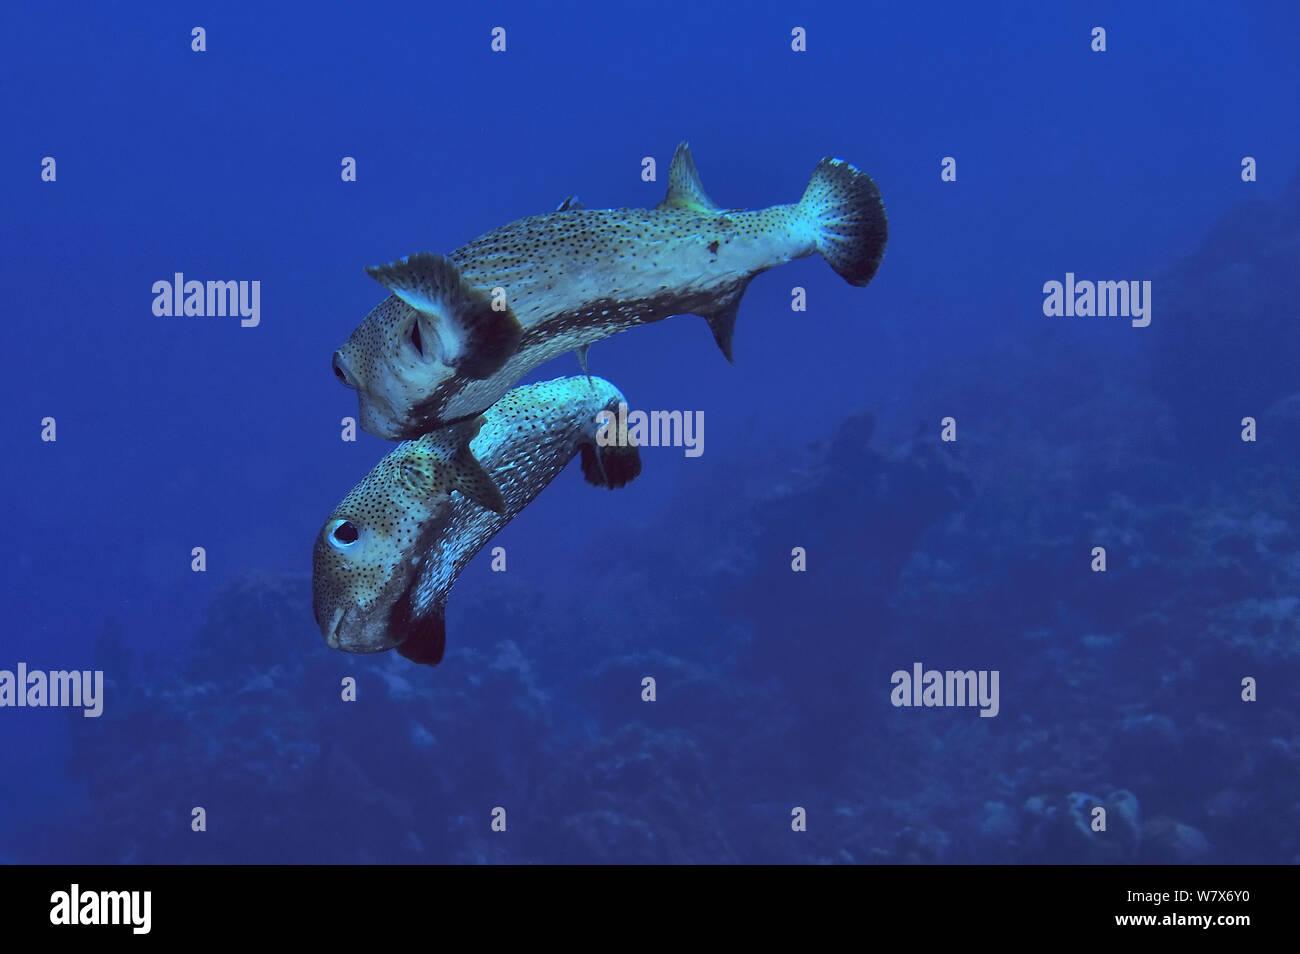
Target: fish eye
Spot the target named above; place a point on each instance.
(344, 535)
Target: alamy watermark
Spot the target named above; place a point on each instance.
(75, 906)
(60, 688)
(195, 299)
(1086, 299)
(950, 688)
(651, 429)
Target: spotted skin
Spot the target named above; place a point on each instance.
(413, 537)
(574, 276)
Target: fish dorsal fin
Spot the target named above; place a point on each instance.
(685, 191)
(570, 203)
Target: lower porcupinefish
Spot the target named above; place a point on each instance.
(389, 554)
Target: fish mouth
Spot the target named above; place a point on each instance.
(406, 402)
(332, 630)
(351, 631)
(380, 418)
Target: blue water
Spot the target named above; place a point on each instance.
(1122, 688)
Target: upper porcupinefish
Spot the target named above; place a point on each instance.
(458, 332)
(389, 554)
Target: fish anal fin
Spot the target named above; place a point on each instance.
(685, 190)
(474, 337)
(722, 321)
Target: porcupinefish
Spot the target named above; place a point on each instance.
(458, 331)
(389, 554)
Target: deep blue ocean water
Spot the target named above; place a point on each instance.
(1120, 688)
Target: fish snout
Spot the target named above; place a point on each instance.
(342, 371)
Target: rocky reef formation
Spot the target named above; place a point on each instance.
(1228, 337)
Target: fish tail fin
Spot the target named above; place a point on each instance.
(614, 466)
(476, 334)
(847, 215)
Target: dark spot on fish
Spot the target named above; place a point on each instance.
(713, 247)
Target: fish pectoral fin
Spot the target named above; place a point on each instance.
(477, 333)
(685, 190)
(447, 463)
(419, 479)
(463, 473)
(472, 480)
(570, 203)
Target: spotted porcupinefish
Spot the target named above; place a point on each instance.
(458, 331)
(388, 555)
